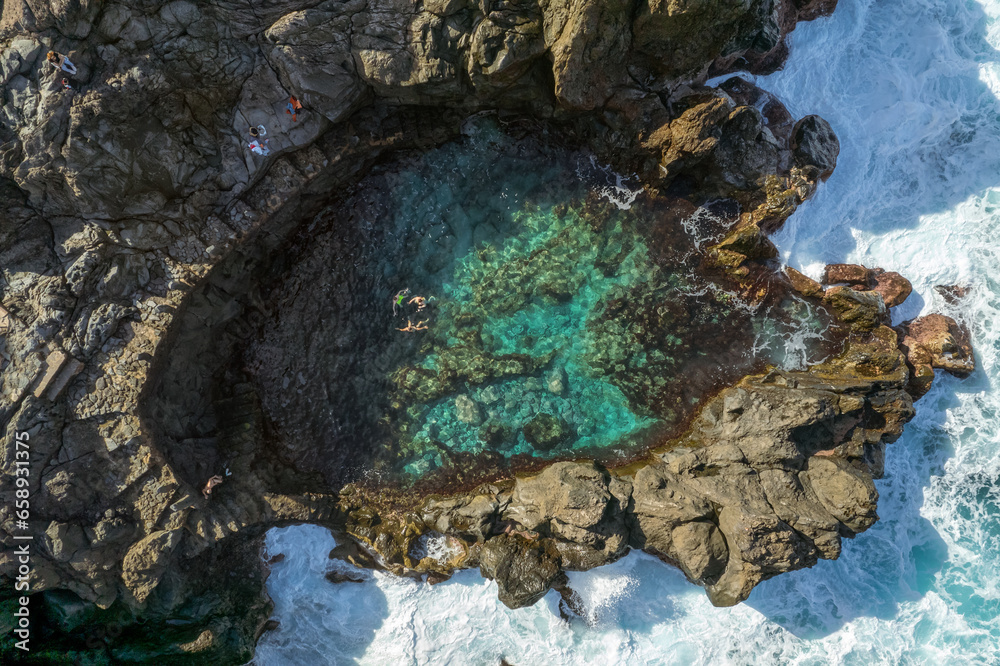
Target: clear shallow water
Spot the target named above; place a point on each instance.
(912, 89)
(499, 300)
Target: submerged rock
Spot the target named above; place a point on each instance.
(467, 411)
(545, 432)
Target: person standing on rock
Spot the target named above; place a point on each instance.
(59, 61)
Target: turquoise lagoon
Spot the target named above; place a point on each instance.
(564, 314)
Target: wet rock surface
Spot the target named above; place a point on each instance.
(135, 220)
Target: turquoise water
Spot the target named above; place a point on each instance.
(912, 89)
(503, 299)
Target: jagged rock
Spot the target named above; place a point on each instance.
(893, 287)
(760, 547)
(849, 495)
(691, 137)
(524, 569)
(662, 30)
(939, 342)
(64, 540)
(578, 504)
(146, 560)
(861, 310)
(815, 147)
(312, 52)
(803, 284)
(952, 293)
(700, 550)
(468, 516)
(851, 274)
(337, 577)
(749, 241)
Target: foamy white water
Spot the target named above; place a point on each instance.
(911, 88)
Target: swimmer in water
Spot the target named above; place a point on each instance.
(410, 327)
(397, 300)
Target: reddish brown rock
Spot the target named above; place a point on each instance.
(894, 287)
(940, 342)
(851, 274)
(804, 284)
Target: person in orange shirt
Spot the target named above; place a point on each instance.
(294, 106)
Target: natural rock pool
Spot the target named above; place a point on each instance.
(563, 315)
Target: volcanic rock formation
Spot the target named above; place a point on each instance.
(134, 218)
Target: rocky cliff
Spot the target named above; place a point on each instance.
(133, 214)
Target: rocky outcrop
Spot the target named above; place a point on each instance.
(770, 477)
(935, 341)
(133, 214)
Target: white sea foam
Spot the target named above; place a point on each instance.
(608, 184)
(911, 88)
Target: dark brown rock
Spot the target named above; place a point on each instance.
(337, 577)
(952, 293)
(524, 569)
(815, 147)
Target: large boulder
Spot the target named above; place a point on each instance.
(893, 287)
(852, 274)
(861, 310)
(815, 147)
(524, 569)
(312, 53)
(580, 505)
(938, 341)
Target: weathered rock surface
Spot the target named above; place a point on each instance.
(133, 213)
(893, 287)
(771, 476)
(935, 341)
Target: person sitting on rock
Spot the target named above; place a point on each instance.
(59, 61)
(260, 147)
(411, 328)
(294, 107)
(212, 482)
